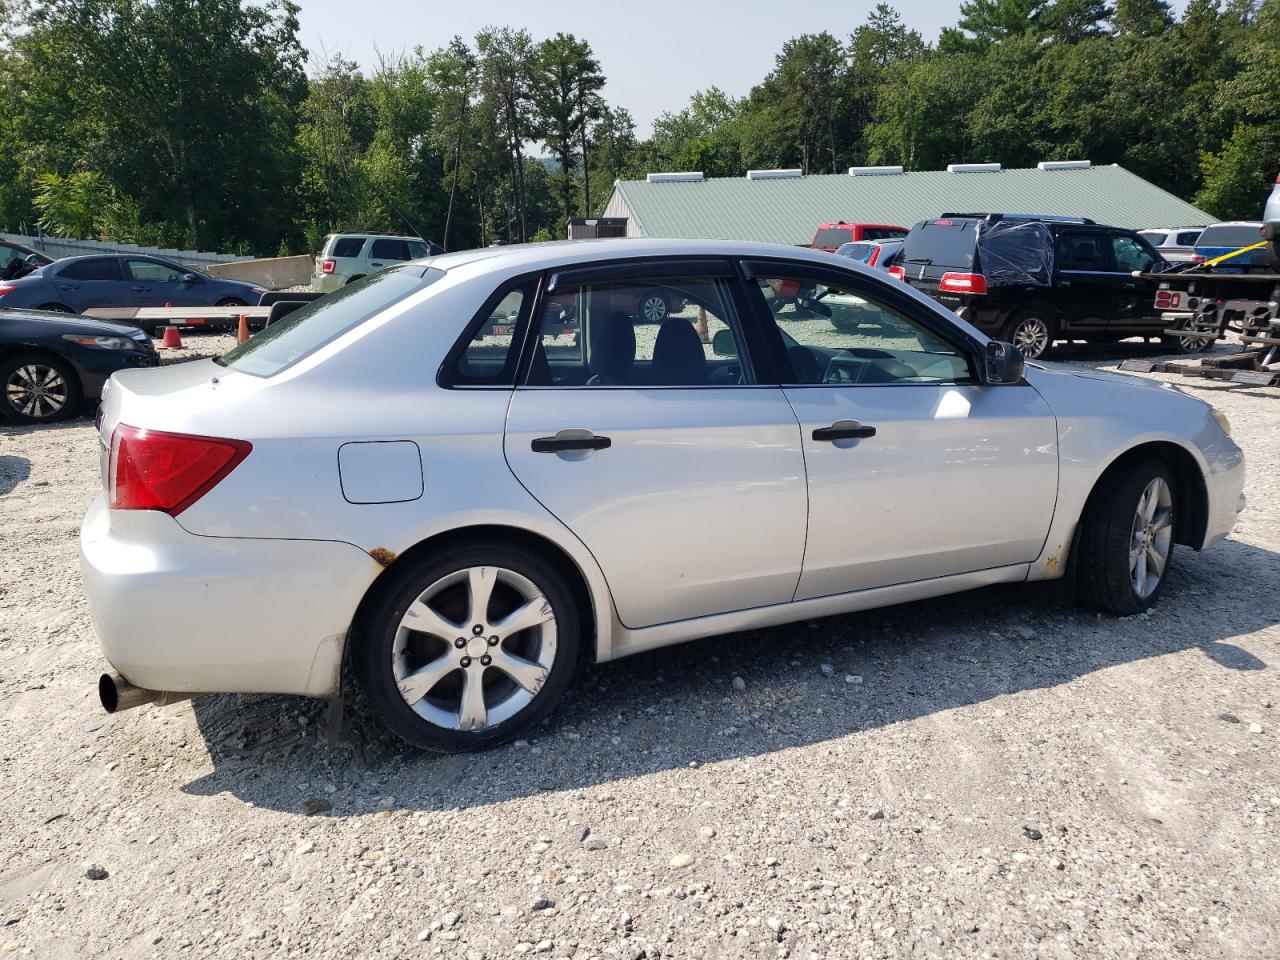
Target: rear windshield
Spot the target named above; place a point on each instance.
(1233, 236)
(883, 233)
(309, 328)
(856, 251)
(945, 243)
(832, 237)
(1154, 237)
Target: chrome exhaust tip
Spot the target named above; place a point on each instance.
(117, 693)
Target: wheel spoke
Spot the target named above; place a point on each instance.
(1162, 520)
(534, 613)
(472, 713)
(1155, 560)
(529, 675)
(418, 684)
(1152, 502)
(480, 581)
(1140, 573)
(425, 619)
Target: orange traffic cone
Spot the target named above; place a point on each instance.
(172, 339)
(242, 332)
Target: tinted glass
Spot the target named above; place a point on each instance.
(943, 243)
(857, 251)
(154, 270)
(307, 329)
(1188, 238)
(832, 237)
(1154, 237)
(839, 337)
(96, 268)
(640, 333)
(1233, 237)
(347, 247)
(488, 358)
(1082, 251)
(384, 249)
(7, 254)
(1131, 255)
(417, 249)
(882, 233)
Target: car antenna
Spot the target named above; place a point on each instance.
(433, 248)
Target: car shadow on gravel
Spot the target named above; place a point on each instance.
(802, 684)
(13, 471)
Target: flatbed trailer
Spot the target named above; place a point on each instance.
(1203, 306)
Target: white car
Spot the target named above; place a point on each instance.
(345, 257)
(467, 506)
(1176, 244)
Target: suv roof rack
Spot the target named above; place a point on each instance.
(993, 217)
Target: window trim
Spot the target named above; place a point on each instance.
(533, 284)
(858, 284)
(750, 345)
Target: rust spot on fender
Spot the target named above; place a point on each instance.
(1051, 563)
(383, 556)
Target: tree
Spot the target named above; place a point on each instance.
(991, 21)
(506, 60)
(806, 87)
(565, 85)
(1143, 18)
(454, 71)
(1070, 21)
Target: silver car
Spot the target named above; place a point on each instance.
(466, 507)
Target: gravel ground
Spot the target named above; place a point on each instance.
(989, 775)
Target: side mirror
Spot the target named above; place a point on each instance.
(723, 344)
(189, 278)
(1004, 363)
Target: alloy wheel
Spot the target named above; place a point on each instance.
(1031, 336)
(474, 648)
(654, 309)
(1151, 537)
(37, 390)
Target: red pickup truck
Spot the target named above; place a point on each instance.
(830, 236)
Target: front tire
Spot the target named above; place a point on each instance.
(35, 388)
(1127, 538)
(1032, 331)
(231, 302)
(467, 649)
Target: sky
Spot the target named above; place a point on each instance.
(655, 53)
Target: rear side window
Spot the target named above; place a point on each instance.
(1083, 251)
(490, 354)
(1187, 238)
(1233, 236)
(308, 329)
(385, 249)
(1154, 237)
(417, 249)
(832, 237)
(347, 247)
(943, 243)
(95, 268)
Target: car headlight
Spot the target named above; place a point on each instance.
(102, 343)
(1222, 420)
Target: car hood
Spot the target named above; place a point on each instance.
(1038, 371)
(72, 323)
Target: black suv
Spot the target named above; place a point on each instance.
(1031, 280)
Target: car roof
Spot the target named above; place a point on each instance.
(1235, 223)
(377, 236)
(557, 253)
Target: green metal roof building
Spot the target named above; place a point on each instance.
(781, 206)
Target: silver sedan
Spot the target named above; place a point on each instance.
(467, 472)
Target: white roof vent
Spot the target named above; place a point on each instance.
(694, 176)
(792, 174)
(874, 171)
(973, 168)
(1064, 164)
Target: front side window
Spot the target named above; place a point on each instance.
(154, 270)
(840, 337)
(95, 268)
(321, 321)
(1131, 254)
(667, 332)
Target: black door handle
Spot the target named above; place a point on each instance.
(844, 430)
(559, 444)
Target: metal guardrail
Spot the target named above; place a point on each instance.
(66, 247)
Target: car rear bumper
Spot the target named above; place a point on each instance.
(182, 613)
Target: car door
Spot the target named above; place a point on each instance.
(680, 473)
(1133, 308)
(916, 470)
(83, 284)
(387, 251)
(155, 283)
(1084, 281)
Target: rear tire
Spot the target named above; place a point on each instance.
(489, 679)
(56, 308)
(1185, 344)
(37, 388)
(231, 302)
(1127, 539)
(1032, 330)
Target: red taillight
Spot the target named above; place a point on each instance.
(6, 288)
(1197, 258)
(328, 266)
(151, 470)
(898, 273)
(875, 255)
(1168, 300)
(963, 283)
